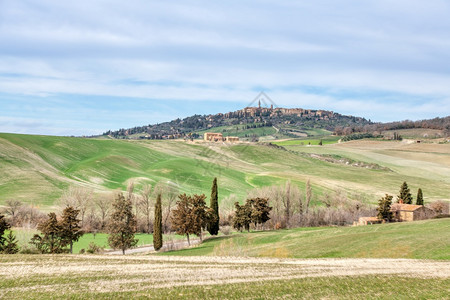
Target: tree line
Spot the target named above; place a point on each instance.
(436, 123)
(272, 207)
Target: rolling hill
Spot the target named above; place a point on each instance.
(428, 239)
(37, 169)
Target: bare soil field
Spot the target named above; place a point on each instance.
(62, 275)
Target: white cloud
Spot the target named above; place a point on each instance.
(225, 51)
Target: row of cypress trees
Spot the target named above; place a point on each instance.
(406, 197)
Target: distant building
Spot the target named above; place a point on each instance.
(232, 139)
(218, 137)
(402, 213)
(409, 212)
(213, 137)
(367, 221)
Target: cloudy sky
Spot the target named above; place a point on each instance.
(83, 67)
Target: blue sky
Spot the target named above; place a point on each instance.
(83, 67)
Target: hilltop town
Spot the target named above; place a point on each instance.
(288, 121)
(271, 112)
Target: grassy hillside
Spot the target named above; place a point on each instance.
(39, 168)
(421, 240)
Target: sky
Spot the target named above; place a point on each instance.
(84, 67)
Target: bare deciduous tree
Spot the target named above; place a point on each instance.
(79, 198)
(12, 208)
(286, 201)
(131, 197)
(169, 192)
(103, 203)
(145, 205)
(308, 195)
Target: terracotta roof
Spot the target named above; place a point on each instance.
(408, 207)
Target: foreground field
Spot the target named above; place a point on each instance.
(37, 276)
(428, 239)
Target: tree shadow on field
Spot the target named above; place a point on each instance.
(206, 247)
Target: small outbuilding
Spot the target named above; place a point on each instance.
(368, 221)
(232, 139)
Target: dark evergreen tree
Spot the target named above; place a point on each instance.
(191, 215)
(213, 227)
(3, 227)
(70, 227)
(157, 226)
(50, 241)
(405, 195)
(419, 200)
(180, 218)
(122, 226)
(242, 216)
(384, 208)
(11, 246)
(260, 210)
(201, 215)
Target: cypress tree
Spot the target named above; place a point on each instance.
(213, 226)
(157, 226)
(419, 200)
(405, 195)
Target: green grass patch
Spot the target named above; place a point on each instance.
(327, 140)
(428, 239)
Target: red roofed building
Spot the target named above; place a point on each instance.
(408, 212)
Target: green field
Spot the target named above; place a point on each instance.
(38, 169)
(326, 140)
(100, 239)
(419, 240)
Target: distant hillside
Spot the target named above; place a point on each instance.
(38, 169)
(286, 122)
(251, 123)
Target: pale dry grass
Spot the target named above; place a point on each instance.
(109, 274)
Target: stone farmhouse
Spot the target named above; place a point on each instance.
(402, 213)
(218, 137)
(408, 212)
(213, 137)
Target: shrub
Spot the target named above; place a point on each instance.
(25, 249)
(225, 230)
(94, 248)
